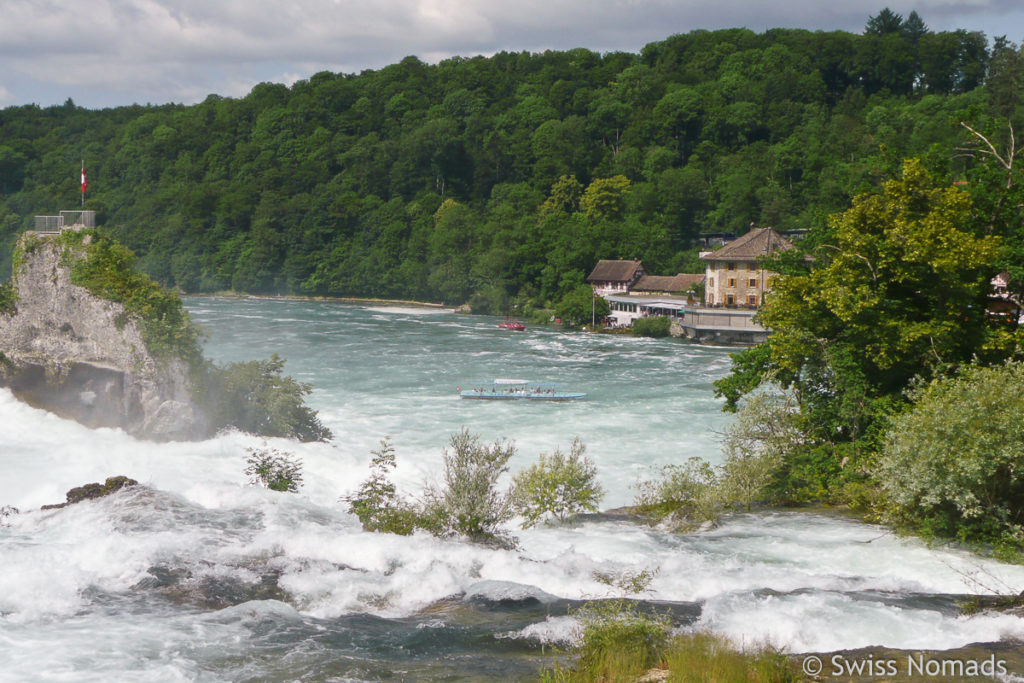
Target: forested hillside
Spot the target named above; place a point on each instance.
(508, 176)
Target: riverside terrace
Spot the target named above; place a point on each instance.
(700, 323)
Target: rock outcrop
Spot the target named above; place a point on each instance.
(83, 357)
(93, 490)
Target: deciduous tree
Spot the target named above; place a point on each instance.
(896, 290)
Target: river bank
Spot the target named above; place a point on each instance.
(328, 299)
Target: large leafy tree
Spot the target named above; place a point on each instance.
(605, 198)
(896, 290)
(581, 306)
(900, 281)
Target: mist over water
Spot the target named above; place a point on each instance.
(199, 576)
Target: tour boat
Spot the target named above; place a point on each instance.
(511, 324)
(516, 389)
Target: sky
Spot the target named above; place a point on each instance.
(107, 53)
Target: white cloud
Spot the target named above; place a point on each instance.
(120, 51)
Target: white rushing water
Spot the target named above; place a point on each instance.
(199, 576)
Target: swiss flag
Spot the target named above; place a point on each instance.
(84, 184)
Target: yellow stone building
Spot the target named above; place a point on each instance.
(733, 276)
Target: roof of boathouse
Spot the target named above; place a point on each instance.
(668, 283)
(614, 271)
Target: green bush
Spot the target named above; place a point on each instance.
(658, 326)
(468, 502)
(687, 495)
(107, 269)
(558, 485)
(376, 502)
(756, 446)
(489, 300)
(276, 470)
(256, 397)
(627, 581)
(621, 640)
(696, 657)
(8, 298)
(953, 464)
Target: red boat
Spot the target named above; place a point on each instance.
(510, 324)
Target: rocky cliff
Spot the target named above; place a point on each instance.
(81, 356)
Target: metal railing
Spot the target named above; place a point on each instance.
(720, 319)
(65, 221)
(49, 223)
(83, 218)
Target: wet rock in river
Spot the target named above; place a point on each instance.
(223, 586)
(94, 490)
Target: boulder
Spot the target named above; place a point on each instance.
(94, 490)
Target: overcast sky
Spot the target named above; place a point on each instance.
(104, 53)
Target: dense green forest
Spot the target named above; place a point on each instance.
(489, 178)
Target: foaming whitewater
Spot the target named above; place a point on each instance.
(198, 576)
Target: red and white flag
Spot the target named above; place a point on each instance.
(84, 184)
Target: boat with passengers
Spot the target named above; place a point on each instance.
(512, 324)
(517, 389)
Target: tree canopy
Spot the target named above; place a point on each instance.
(898, 282)
(894, 290)
(553, 160)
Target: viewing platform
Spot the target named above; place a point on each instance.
(724, 325)
(712, 324)
(66, 220)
